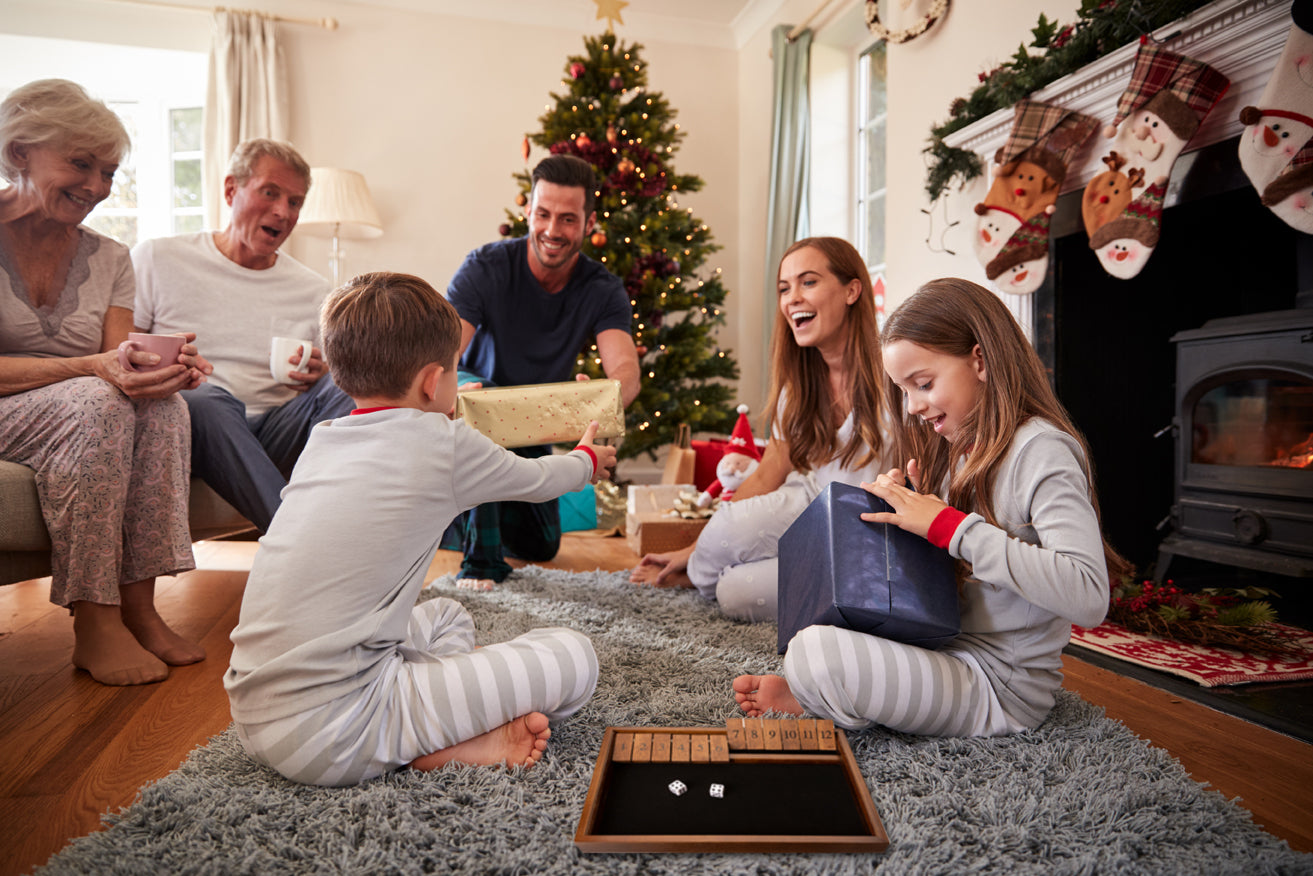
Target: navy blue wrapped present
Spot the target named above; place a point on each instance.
(838, 570)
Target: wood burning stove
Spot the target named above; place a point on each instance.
(1243, 491)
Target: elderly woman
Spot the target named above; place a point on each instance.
(110, 446)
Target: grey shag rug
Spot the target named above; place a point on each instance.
(1081, 794)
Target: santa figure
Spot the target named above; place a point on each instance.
(740, 460)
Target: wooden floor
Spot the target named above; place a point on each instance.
(71, 749)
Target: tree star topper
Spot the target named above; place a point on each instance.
(610, 10)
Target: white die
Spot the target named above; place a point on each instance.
(717, 790)
(678, 788)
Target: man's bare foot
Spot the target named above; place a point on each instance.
(759, 694)
(104, 647)
(520, 742)
(475, 583)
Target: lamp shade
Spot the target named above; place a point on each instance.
(338, 204)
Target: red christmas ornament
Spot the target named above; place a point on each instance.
(577, 69)
(584, 141)
(598, 239)
(624, 165)
(505, 229)
(642, 349)
(521, 200)
(617, 83)
(611, 135)
(524, 149)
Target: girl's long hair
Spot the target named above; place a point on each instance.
(952, 316)
(800, 373)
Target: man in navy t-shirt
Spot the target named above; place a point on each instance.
(527, 306)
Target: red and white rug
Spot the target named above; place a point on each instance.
(1207, 665)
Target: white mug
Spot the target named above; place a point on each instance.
(281, 352)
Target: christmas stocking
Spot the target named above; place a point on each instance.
(1274, 144)
(1167, 99)
(1028, 175)
(1022, 263)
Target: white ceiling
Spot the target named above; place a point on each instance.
(720, 23)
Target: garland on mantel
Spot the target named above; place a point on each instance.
(1102, 26)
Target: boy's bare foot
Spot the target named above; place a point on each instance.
(104, 647)
(475, 583)
(520, 742)
(759, 694)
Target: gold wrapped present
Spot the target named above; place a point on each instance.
(544, 413)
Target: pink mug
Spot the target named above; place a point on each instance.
(167, 347)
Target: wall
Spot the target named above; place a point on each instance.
(431, 108)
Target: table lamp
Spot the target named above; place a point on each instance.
(338, 204)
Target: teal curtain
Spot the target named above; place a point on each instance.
(790, 162)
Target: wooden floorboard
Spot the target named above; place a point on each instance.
(71, 749)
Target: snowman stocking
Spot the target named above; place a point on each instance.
(1029, 171)
(1167, 99)
(1274, 147)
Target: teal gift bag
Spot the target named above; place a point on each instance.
(579, 510)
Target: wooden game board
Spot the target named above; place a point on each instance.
(790, 785)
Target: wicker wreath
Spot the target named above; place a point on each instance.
(901, 36)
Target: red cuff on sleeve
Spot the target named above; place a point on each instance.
(591, 455)
(943, 527)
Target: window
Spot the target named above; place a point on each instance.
(872, 123)
(158, 94)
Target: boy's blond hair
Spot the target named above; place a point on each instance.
(380, 329)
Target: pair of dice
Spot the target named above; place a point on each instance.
(679, 789)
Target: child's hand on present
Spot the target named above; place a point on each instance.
(603, 455)
(913, 511)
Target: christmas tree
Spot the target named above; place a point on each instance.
(608, 117)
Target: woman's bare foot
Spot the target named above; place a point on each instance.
(150, 630)
(663, 570)
(520, 742)
(104, 647)
(759, 694)
(475, 583)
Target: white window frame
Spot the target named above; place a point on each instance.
(867, 192)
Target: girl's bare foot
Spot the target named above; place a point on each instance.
(520, 742)
(663, 570)
(104, 647)
(759, 694)
(475, 583)
(150, 630)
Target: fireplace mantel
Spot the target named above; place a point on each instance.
(1240, 38)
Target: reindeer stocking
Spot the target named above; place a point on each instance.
(1028, 175)
(1167, 99)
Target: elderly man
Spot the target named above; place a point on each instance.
(527, 306)
(239, 291)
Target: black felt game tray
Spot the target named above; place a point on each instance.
(789, 786)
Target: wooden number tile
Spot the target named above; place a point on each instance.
(770, 733)
(825, 733)
(719, 748)
(735, 735)
(752, 728)
(623, 750)
(701, 749)
(642, 747)
(789, 735)
(679, 748)
(660, 748)
(807, 734)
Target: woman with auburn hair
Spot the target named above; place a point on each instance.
(110, 445)
(824, 419)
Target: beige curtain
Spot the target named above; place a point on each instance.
(245, 97)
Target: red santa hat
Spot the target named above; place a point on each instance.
(741, 440)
